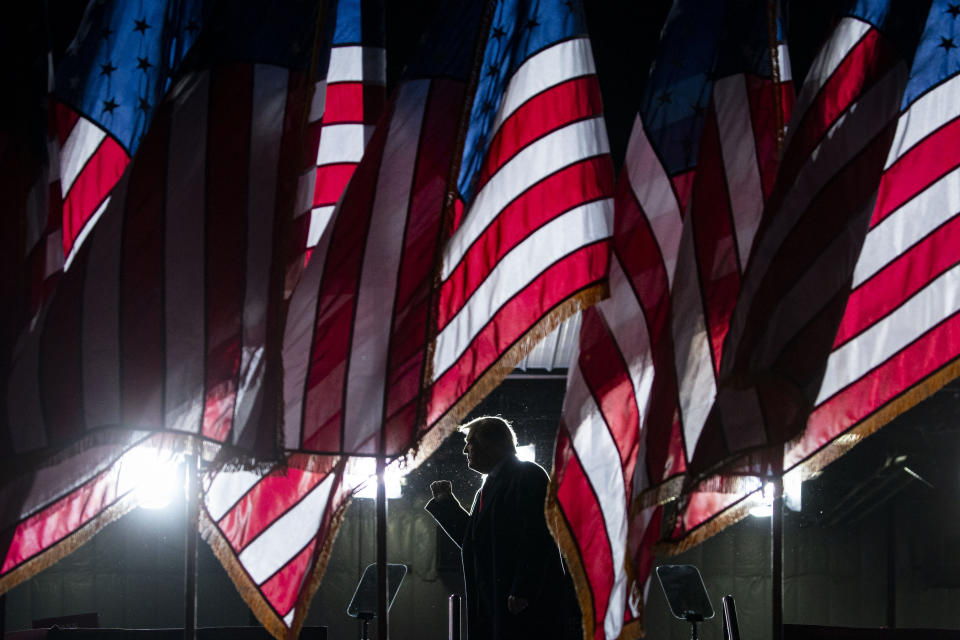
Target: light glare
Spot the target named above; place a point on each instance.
(792, 491)
(527, 452)
(362, 472)
(151, 475)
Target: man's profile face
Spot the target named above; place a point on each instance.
(481, 457)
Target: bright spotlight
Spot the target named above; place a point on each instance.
(764, 502)
(793, 491)
(362, 472)
(763, 507)
(152, 475)
(527, 452)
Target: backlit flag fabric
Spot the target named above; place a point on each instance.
(43, 255)
(159, 347)
(364, 289)
(356, 329)
(811, 256)
(274, 532)
(699, 167)
(103, 96)
(530, 246)
(51, 510)
(528, 241)
(167, 321)
(347, 101)
(896, 341)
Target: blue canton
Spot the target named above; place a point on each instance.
(122, 60)
(937, 58)
(520, 28)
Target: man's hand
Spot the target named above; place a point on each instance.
(516, 604)
(441, 488)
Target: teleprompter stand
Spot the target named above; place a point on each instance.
(363, 605)
(686, 594)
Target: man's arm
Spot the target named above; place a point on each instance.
(447, 511)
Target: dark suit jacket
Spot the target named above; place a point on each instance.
(507, 550)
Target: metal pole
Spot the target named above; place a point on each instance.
(383, 623)
(453, 618)
(731, 630)
(891, 566)
(190, 556)
(776, 560)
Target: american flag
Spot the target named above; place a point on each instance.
(530, 239)
(354, 343)
(347, 101)
(167, 318)
(700, 164)
(274, 534)
(891, 340)
(106, 90)
(51, 510)
(501, 274)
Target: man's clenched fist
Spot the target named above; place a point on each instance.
(441, 488)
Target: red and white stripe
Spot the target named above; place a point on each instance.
(838, 145)
(43, 218)
(274, 527)
(50, 511)
(352, 353)
(354, 343)
(825, 191)
(346, 105)
(900, 325)
(171, 337)
(536, 232)
(651, 351)
(91, 162)
(737, 161)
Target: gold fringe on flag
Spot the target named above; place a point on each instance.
(161, 440)
(250, 592)
(816, 462)
(660, 494)
(729, 516)
(913, 396)
(557, 523)
(500, 369)
(68, 545)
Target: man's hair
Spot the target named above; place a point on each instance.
(494, 430)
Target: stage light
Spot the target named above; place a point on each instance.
(527, 452)
(792, 491)
(362, 473)
(764, 502)
(153, 476)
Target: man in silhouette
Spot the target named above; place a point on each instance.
(511, 566)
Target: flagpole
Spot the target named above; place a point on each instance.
(776, 560)
(891, 618)
(190, 555)
(383, 625)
